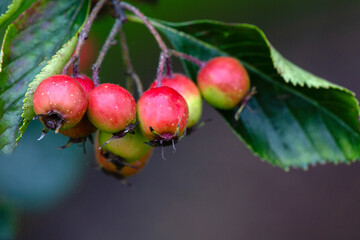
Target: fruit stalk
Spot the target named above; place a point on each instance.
(159, 40)
(75, 59)
(108, 43)
(188, 58)
(159, 74)
(129, 67)
(147, 23)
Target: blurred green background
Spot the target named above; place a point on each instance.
(212, 187)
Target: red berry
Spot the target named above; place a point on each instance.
(129, 147)
(223, 82)
(86, 83)
(84, 128)
(189, 91)
(111, 108)
(60, 102)
(164, 111)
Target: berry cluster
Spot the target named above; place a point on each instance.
(127, 130)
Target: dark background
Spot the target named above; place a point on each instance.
(213, 187)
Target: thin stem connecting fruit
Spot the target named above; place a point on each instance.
(147, 23)
(244, 102)
(108, 43)
(187, 57)
(75, 59)
(160, 69)
(129, 67)
(159, 40)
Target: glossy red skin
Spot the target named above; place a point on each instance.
(86, 83)
(111, 108)
(223, 82)
(84, 128)
(61, 94)
(162, 108)
(125, 171)
(189, 91)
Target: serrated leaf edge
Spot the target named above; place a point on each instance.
(12, 7)
(46, 72)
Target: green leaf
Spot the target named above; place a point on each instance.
(8, 8)
(296, 119)
(9, 11)
(31, 51)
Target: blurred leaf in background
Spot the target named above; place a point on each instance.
(8, 218)
(38, 175)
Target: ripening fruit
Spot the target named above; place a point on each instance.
(165, 111)
(59, 102)
(129, 147)
(84, 128)
(111, 108)
(223, 82)
(86, 83)
(126, 171)
(189, 91)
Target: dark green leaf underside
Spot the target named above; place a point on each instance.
(296, 119)
(29, 43)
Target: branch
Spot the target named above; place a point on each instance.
(160, 69)
(127, 61)
(188, 57)
(108, 43)
(75, 59)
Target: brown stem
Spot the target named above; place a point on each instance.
(75, 59)
(127, 61)
(160, 69)
(188, 57)
(153, 31)
(147, 23)
(108, 43)
(244, 102)
(169, 72)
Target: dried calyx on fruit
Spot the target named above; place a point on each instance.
(129, 147)
(223, 82)
(83, 130)
(59, 102)
(163, 114)
(121, 168)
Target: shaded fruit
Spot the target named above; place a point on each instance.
(109, 167)
(129, 147)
